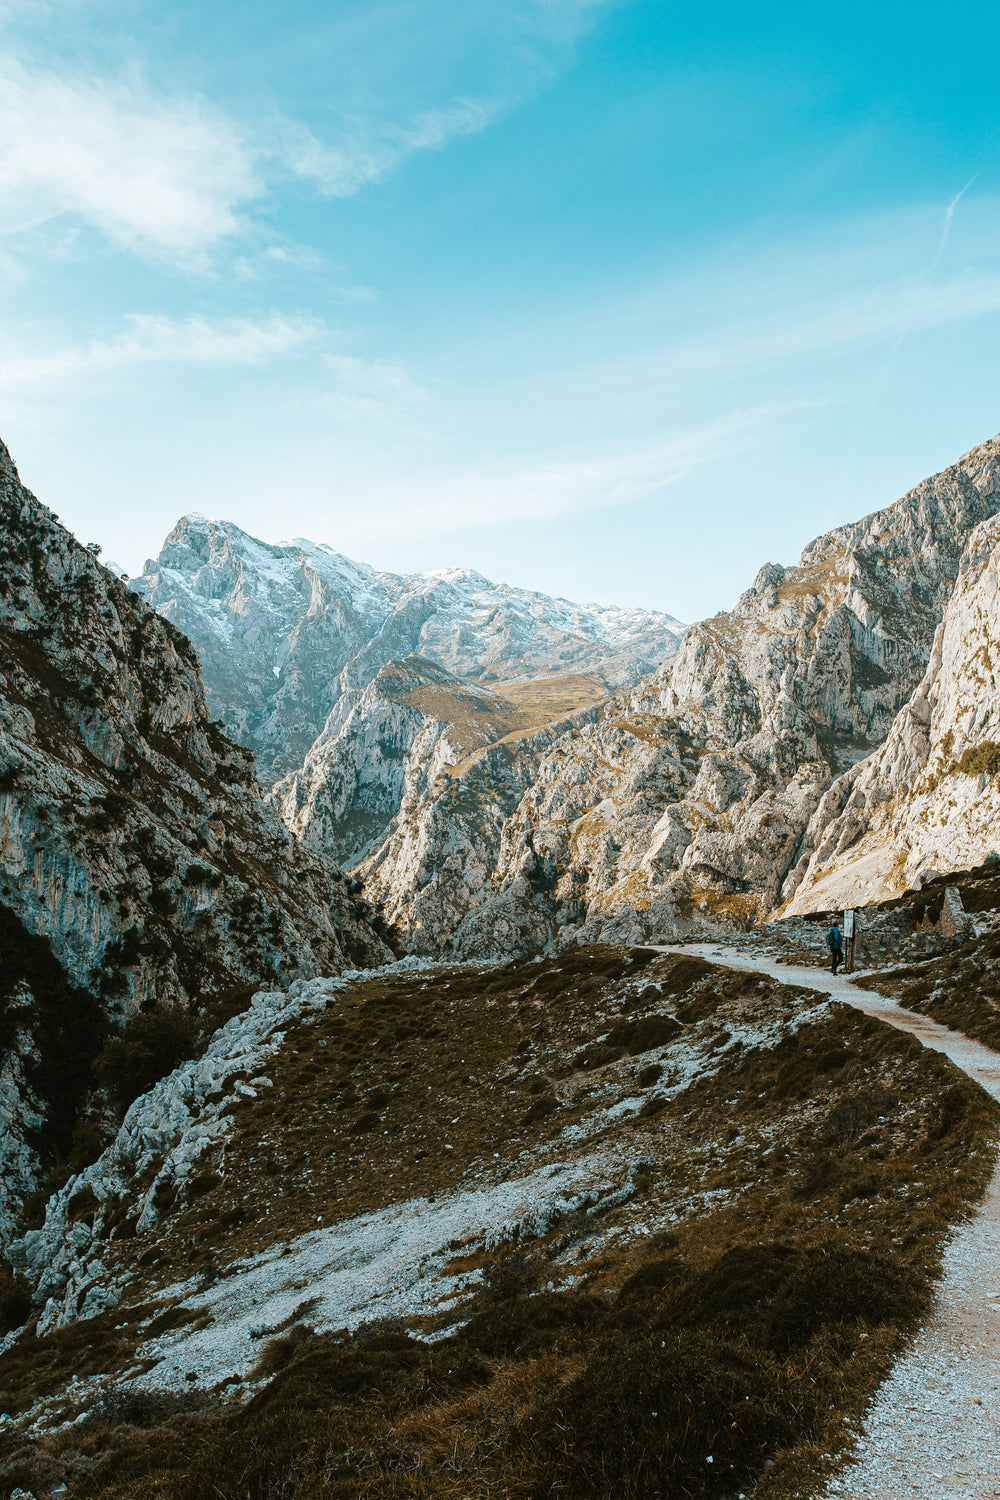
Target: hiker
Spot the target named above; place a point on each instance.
(835, 943)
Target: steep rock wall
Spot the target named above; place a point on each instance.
(929, 798)
(132, 833)
(385, 744)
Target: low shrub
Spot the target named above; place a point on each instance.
(980, 760)
(525, 1326)
(15, 1299)
(666, 1413)
(644, 1034)
(281, 1350)
(597, 1055)
(150, 1045)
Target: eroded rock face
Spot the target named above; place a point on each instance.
(385, 745)
(132, 832)
(929, 797)
(686, 800)
(285, 631)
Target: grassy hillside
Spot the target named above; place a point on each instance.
(716, 1327)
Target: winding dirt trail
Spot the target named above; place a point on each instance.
(934, 1429)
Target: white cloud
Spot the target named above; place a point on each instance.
(786, 309)
(864, 316)
(174, 175)
(375, 390)
(369, 156)
(167, 174)
(149, 339)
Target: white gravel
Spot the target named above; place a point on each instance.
(934, 1430)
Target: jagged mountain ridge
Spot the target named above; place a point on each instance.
(692, 793)
(285, 630)
(133, 837)
(929, 796)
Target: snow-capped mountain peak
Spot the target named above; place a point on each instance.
(283, 629)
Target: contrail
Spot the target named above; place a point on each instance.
(949, 214)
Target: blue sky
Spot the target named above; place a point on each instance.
(611, 298)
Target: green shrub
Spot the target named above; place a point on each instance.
(665, 1413)
(980, 760)
(527, 1326)
(151, 1044)
(643, 1035)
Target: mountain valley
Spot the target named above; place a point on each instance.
(420, 1078)
(726, 782)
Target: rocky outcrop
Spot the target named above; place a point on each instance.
(688, 799)
(929, 797)
(285, 631)
(164, 1136)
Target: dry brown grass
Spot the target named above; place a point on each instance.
(544, 699)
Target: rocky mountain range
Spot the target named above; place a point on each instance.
(488, 815)
(286, 1213)
(286, 633)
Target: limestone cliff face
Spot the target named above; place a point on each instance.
(285, 631)
(929, 797)
(439, 858)
(386, 744)
(689, 797)
(132, 832)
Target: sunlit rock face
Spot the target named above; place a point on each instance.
(132, 831)
(687, 799)
(285, 631)
(929, 797)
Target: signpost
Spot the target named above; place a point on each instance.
(849, 936)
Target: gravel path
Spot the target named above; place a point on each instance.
(934, 1430)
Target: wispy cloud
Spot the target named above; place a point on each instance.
(382, 391)
(149, 339)
(152, 172)
(492, 494)
(169, 173)
(369, 154)
(374, 375)
(858, 317)
(772, 325)
(173, 175)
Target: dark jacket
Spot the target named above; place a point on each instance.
(834, 939)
